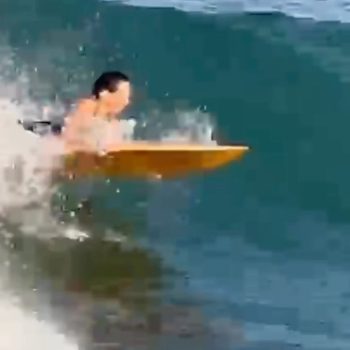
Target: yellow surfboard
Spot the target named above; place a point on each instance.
(151, 159)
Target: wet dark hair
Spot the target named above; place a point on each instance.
(108, 81)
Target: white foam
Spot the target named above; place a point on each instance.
(21, 330)
(26, 162)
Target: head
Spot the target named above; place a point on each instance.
(113, 90)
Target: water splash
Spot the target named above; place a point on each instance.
(26, 186)
(180, 126)
(194, 126)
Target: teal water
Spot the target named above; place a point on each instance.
(252, 256)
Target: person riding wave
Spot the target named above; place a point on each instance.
(95, 118)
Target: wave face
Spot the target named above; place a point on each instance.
(252, 256)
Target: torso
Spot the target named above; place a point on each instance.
(91, 127)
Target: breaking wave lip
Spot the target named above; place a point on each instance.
(327, 10)
(26, 189)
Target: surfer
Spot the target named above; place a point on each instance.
(95, 116)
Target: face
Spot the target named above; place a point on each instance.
(116, 102)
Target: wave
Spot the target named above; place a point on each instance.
(329, 10)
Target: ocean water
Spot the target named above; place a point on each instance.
(253, 256)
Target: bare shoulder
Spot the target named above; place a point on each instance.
(86, 105)
(82, 109)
